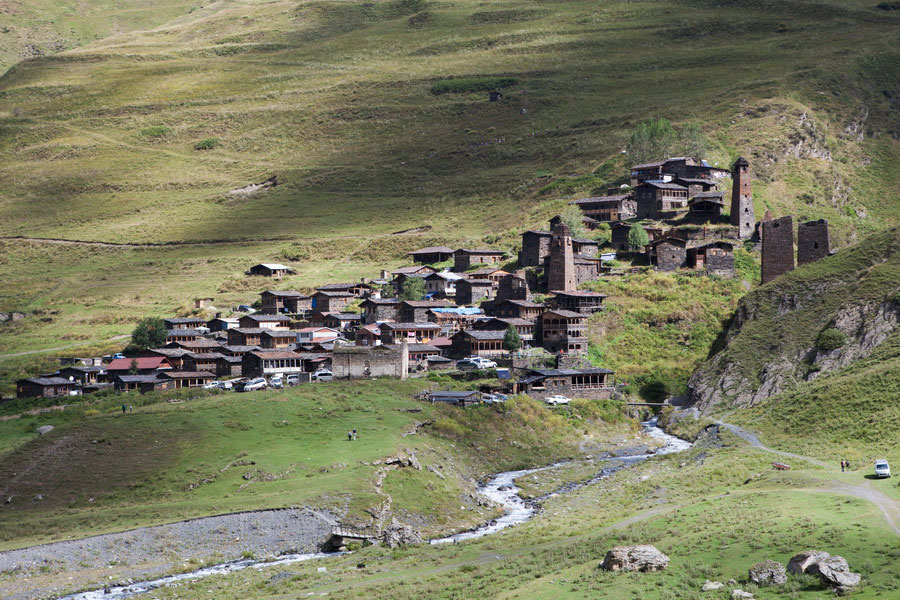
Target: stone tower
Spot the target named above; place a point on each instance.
(561, 261)
(742, 215)
(813, 242)
(777, 247)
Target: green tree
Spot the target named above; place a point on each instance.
(637, 237)
(413, 288)
(133, 369)
(512, 342)
(149, 333)
(692, 142)
(387, 290)
(653, 140)
(572, 216)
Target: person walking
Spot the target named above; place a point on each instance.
(354, 435)
(349, 436)
(843, 463)
(123, 409)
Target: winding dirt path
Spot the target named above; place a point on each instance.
(889, 507)
(66, 347)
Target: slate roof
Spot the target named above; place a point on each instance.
(184, 320)
(137, 378)
(484, 252)
(410, 326)
(188, 374)
(432, 250)
(49, 381)
(664, 185)
(427, 303)
(601, 199)
(267, 318)
(483, 334)
(328, 294)
(581, 294)
(285, 294)
(566, 314)
(569, 372)
(277, 354)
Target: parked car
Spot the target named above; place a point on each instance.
(246, 308)
(556, 400)
(276, 382)
(118, 355)
(212, 385)
(258, 383)
(475, 362)
(322, 375)
(882, 468)
(494, 398)
(292, 379)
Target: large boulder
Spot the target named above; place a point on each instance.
(741, 595)
(644, 558)
(398, 534)
(45, 429)
(802, 562)
(768, 572)
(711, 586)
(835, 572)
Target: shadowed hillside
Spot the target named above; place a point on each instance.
(140, 137)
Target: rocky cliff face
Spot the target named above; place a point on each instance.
(804, 325)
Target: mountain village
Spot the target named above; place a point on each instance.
(468, 303)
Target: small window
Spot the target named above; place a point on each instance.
(776, 224)
(815, 245)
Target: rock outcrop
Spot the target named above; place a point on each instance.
(833, 571)
(711, 586)
(768, 572)
(399, 534)
(644, 558)
(776, 337)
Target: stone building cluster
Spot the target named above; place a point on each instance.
(473, 297)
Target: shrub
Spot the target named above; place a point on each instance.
(481, 84)
(831, 339)
(654, 390)
(157, 131)
(91, 412)
(207, 144)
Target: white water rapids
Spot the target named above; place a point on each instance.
(516, 511)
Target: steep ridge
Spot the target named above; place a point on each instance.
(812, 324)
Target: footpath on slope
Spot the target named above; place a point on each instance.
(888, 506)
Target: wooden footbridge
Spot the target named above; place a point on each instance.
(341, 534)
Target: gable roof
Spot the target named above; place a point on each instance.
(663, 185)
(410, 326)
(432, 250)
(184, 320)
(485, 252)
(601, 199)
(426, 303)
(328, 294)
(278, 354)
(143, 362)
(483, 334)
(48, 381)
(261, 318)
(412, 269)
(274, 266)
(566, 314)
(285, 294)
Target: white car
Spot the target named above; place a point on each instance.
(556, 400)
(475, 362)
(322, 375)
(276, 382)
(255, 384)
(882, 468)
(292, 379)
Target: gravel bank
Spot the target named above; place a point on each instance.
(154, 551)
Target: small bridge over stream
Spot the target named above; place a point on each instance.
(341, 534)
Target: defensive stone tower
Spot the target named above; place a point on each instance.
(813, 242)
(561, 261)
(777, 247)
(742, 215)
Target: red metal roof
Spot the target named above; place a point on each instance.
(143, 362)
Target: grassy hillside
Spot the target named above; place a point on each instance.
(350, 105)
(102, 470)
(32, 28)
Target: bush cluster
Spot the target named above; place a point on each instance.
(481, 84)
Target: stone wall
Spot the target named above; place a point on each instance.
(350, 362)
(720, 262)
(535, 246)
(670, 257)
(813, 242)
(777, 247)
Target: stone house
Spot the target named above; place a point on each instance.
(265, 364)
(272, 339)
(275, 302)
(593, 383)
(229, 366)
(579, 301)
(717, 258)
(44, 387)
(198, 346)
(518, 309)
(174, 356)
(184, 323)
(145, 365)
(619, 235)
(524, 327)
(512, 287)
(473, 291)
(142, 383)
(358, 289)
(608, 208)
(422, 270)
(441, 285)
(377, 310)
(562, 331)
(535, 247)
(679, 166)
(368, 335)
(246, 336)
(477, 343)
(222, 324)
(416, 311)
(238, 350)
(419, 333)
(269, 270)
(257, 320)
(454, 318)
(188, 379)
(464, 258)
(325, 301)
(492, 274)
(81, 375)
(353, 362)
(706, 207)
(589, 223)
(431, 255)
(668, 254)
(182, 335)
(658, 199)
(199, 362)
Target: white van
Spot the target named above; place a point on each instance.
(882, 468)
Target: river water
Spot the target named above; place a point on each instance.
(500, 489)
